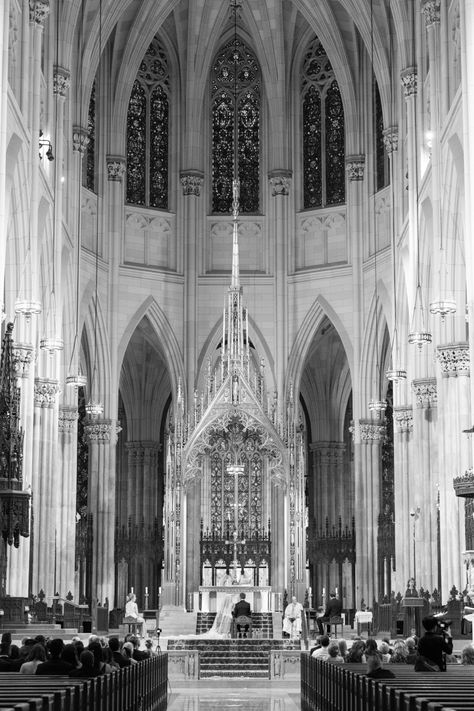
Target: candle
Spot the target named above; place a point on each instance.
(131, 590)
(335, 589)
(146, 590)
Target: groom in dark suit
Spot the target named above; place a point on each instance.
(242, 608)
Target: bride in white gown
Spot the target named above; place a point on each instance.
(223, 621)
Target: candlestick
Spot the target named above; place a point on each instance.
(146, 590)
(131, 590)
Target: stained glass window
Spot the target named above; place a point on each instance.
(235, 81)
(322, 131)
(89, 162)
(148, 131)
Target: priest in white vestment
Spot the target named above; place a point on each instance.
(292, 619)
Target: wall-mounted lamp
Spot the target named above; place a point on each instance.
(45, 147)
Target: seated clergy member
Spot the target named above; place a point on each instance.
(292, 618)
(242, 608)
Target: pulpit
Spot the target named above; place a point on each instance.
(412, 607)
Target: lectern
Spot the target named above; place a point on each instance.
(412, 606)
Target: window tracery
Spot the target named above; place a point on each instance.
(323, 131)
(235, 69)
(89, 163)
(148, 132)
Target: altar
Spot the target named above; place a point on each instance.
(210, 597)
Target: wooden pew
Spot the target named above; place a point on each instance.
(330, 687)
(143, 685)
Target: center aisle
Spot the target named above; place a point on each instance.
(225, 694)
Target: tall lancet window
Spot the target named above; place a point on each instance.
(88, 165)
(148, 131)
(247, 85)
(323, 131)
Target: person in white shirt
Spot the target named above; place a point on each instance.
(292, 618)
(131, 612)
(322, 651)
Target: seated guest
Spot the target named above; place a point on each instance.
(127, 651)
(333, 653)
(371, 647)
(384, 651)
(411, 649)
(117, 657)
(322, 651)
(54, 665)
(400, 652)
(467, 655)
(355, 654)
(138, 654)
(375, 669)
(342, 648)
(87, 666)
(149, 648)
(70, 655)
(100, 667)
(27, 643)
(36, 657)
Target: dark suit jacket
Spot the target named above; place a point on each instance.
(242, 608)
(54, 667)
(432, 646)
(333, 608)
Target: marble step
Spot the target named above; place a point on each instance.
(233, 673)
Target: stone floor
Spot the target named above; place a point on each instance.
(245, 694)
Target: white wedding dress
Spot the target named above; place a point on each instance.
(222, 623)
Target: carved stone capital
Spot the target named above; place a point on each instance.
(355, 167)
(61, 82)
(191, 182)
(390, 139)
(45, 392)
(100, 431)
(80, 139)
(409, 79)
(23, 356)
(454, 359)
(403, 418)
(371, 431)
(425, 391)
(280, 182)
(115, 168)
(39, 11)
(431, 9)
(67, 419)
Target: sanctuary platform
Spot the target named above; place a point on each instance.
(245, 658)
(209, 598)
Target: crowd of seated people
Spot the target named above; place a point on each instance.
(378, 654)
(43, 656)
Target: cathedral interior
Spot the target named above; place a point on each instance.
(237, 286)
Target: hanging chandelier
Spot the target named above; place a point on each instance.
(419, 334)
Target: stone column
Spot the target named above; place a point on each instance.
(454, 457)
(329, 498)
(280, 182)
(4, 32)
(403, 435)
(409, 80)
(367, 511)
(191, 182)
(47, 541)
(67, 499)
(423, 487)
(467, 76)
(101, 435)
